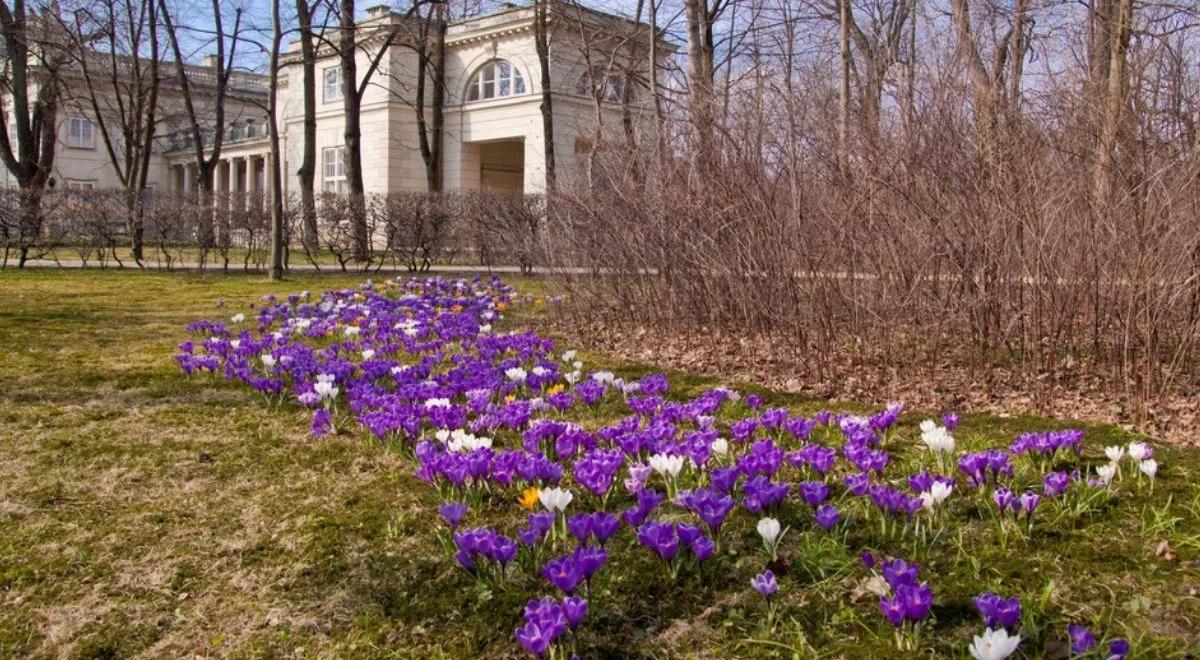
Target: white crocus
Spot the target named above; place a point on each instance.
(576, 365)
(1106, 472)
(936, 494)
(325, 389)
(238, 318)
(539, 371)
(368, 354)
(994, 645)
(268, 360)
(462, 441)
(1149, 467)
(437, 403)
(515, 374)
(769, 529)
(351, 330)
(235, 343)
(1139, 451)
(572, 377)
(668, 466)
(603, 377)
(1114, 453)
(555, 499)
(568, 356)
(937, 438)
(720, 446)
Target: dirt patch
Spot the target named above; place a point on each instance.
(865, 375)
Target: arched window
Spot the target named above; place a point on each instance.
(495, 79)
(601, 84)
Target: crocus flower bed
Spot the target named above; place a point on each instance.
(563, 484)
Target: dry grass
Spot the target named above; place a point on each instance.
(145, 513)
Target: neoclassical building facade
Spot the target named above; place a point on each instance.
(493, 127)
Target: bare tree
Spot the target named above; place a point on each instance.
(32, 79)
(122, 89)
(206, 152)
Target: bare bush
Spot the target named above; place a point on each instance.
(418, 227)
(505, 228)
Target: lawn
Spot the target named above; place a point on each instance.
(146, 512)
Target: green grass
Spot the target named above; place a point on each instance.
(143, 512)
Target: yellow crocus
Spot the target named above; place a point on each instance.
(529, 497)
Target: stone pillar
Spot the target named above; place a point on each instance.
(246, 179)
(231, 181)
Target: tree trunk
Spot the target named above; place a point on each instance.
(352, 107)
(700, 76)
(276, 183)
(307, 173)
(542, 43)
(982, 86)
(844, 87)
(30, 220)
(1114, 103)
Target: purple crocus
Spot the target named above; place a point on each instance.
(950, 421)
(893, 609)
(563, 573)
(1004, 498)
(1055, 483)
(1028, 502)
(868, 559)
(605, 525)
(897, 572)
(322, 423)
(688, 533)
(660, 537)
(703, 547)
(452, 513)
(858, 483)
(580, 526)
(1118, 649)
(1082, 639)
(917, 600)
(534, 639)
(590, 558)
(827, 517)
(765, 584)
(574, 609)
(998, 612)
(814, 492)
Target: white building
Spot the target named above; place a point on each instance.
(493, 133)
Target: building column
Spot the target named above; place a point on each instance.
(267, 181)
(246, 181)
(230, 182)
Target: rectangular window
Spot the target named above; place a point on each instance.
(333, 169)
(79, 134)
(333, 84)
